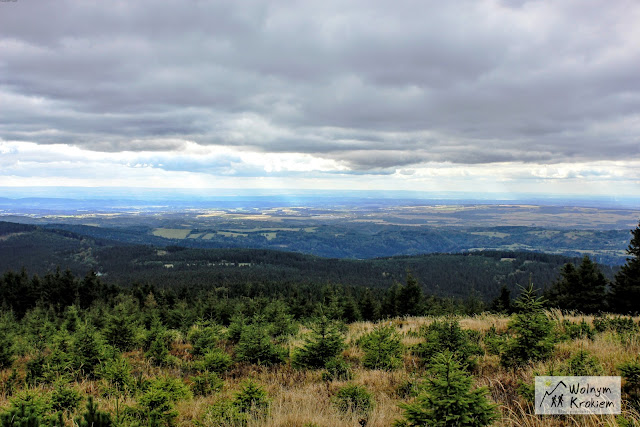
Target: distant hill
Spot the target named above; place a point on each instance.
(42, 249)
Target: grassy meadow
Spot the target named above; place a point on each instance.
(298, 396)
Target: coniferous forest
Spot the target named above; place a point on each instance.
(282, 339)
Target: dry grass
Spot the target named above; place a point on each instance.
(300, 397)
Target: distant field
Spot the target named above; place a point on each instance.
(171, 233)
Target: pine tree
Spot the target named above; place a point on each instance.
(448, 400)
(94, 417)
(533, 331)
(502, 303)
(382, 348)
(625, 291)
(323, 344)
(410, 297)
(369, 307)
(582, 288)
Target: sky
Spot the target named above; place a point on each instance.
(499, 96)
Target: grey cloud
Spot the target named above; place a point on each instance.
(376, 84)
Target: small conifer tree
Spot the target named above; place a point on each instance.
(382, 348)
(323, 344)
(447, 399)
(533, 338)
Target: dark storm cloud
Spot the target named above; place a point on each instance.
(376, 84)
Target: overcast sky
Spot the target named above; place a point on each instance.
(486, 96)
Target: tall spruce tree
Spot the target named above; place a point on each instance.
(410, 297)
(582, 288)
(625, 290)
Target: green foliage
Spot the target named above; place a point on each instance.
(382, 348)
(88, 350)
(582, 289)
(410, 298)
(235, 328)
(223, 413)
(353, 398)
(533, 338)
(630, 372)
(159, 397)
(447, 335)
(65, 398)
(117, 372)
(369, 306)
(251, 398)
(206, 384)
(493, 341)
(618, 324)
(255, 346)
(625, 290)
(582, 364)
(158, 351)
(203, 338)
(502, 303)
(21, 416)
(26, 416)
(120, 331)
(280, 321)
(447, 399)
(572, 330)
(6, 351)
(216, 360)
(337, 369)
(324, 343)
(93, 417)
(36, 401)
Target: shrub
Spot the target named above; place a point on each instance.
(235, 328)
(87, 351)
(65, 398)
(93, 417)
(251, 398)
(353, 398)
(203, 338)
(582, 364)
(631, 374)
(34, 401)
(619, 324)
(206, 384)
(447, 399)
(120, 331)
(574, 331)
(337, 369)
(324, 343)
(281, 323)
(158, 352)
(25, 416)
(223, 413)
(447, 335)
(216, 360)
(157, 400)
(117, 372)
(255, 346)
(6, 351)
(382, 348)
(493, 341)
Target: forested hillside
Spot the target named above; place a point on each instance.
(267, 272)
